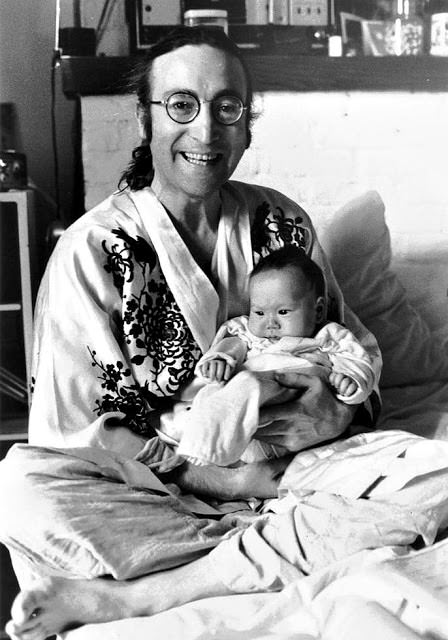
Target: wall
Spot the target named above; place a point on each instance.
(27, 37)
(322, 149)
(25, 54)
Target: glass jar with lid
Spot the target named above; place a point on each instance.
(206, 17)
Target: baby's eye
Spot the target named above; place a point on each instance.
(283, 312)
(258, 313)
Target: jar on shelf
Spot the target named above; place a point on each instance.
(404, 35)
(206, 17)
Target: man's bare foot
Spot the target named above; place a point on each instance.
(57, 603)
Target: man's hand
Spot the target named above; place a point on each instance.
(309, 415)
(314, 417)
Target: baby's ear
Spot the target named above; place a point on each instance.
(320, 309)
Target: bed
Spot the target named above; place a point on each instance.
(375, 598)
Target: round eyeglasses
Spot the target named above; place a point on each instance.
(184, 107)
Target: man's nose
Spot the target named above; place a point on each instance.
(204, 127)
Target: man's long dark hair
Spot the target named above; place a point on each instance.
(140, 172)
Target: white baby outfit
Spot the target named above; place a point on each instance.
(222, 431)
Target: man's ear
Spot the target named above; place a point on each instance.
(320, 310)
(140, 115)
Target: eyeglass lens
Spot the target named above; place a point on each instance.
(184, 107)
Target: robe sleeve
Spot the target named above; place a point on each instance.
(84, 389)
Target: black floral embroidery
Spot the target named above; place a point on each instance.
(119, 264)
(288, 230)
(154, 323)
(259, 233)
(159, 343)
(273, 229)
(127, 399)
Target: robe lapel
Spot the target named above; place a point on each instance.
(192, 290)
(232, 261)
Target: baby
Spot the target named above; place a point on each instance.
(286, 329)
(287, 311)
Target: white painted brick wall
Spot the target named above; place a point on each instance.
(321, 149)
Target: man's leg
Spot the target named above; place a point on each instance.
(56, 604)
(85, 513)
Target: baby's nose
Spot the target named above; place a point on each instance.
(273, 321)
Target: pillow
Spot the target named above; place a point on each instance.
(357, 242)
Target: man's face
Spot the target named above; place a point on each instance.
(282, 303)
(197, 158)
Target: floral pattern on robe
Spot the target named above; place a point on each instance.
(153, 329)
(153, 326)
(124, 312)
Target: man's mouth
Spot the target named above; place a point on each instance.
(202, 159)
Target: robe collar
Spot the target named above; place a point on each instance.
(203, 307)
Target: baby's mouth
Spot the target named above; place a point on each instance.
(202, 159)
(273, 335)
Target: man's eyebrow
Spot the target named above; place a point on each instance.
(229, 92)
(218, 94)
(171, 91)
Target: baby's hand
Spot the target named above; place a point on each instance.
(344, 385)
(216, 370)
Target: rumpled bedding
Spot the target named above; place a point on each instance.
(338, 543)
(373, 602)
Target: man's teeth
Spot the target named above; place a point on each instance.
(200, 158)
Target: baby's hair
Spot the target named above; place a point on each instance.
(291, 256)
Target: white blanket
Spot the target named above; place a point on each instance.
(378, 601)
(357, 575)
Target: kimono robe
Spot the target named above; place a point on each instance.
(124, 313)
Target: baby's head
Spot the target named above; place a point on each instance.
(287, 295)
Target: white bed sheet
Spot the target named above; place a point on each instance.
(384, 593)
(374, 595)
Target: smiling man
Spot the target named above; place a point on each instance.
(131, 298)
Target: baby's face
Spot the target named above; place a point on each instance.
(282, 303)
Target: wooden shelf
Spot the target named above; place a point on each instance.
(13, 306)
(103, 75)
(14, 429)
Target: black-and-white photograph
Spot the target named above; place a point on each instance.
(223, 319)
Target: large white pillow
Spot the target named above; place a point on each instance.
(357, 242)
